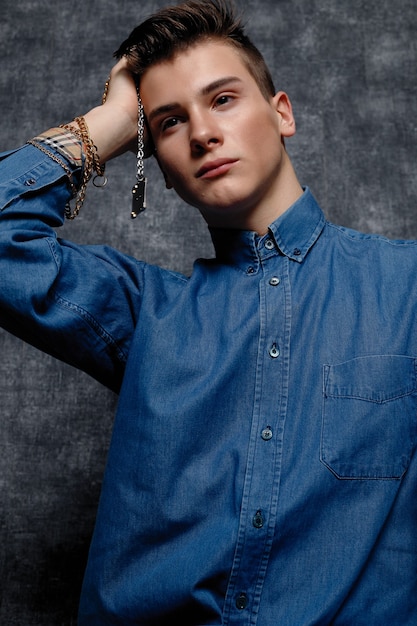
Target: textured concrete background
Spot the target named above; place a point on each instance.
(350, 69)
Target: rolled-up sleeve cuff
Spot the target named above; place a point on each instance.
(27, 172)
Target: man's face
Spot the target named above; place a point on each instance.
(218, 140)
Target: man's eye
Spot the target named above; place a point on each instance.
(169, 123)
(222, 100)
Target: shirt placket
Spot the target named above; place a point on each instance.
(263, 468)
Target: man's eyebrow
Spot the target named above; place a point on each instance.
(165, 108)
(205, 91)
(221, 82)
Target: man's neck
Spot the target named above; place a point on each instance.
(287, 191)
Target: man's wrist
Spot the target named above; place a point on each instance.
(63, 141)
(112, 131)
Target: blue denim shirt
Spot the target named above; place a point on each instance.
(262, 468)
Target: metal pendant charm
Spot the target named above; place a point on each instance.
(138, 198)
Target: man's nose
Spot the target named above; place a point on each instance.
(205, 132)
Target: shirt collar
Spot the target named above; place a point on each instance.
(294, 233)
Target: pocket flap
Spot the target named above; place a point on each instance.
(373, 378)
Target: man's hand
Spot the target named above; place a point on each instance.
(113, 126)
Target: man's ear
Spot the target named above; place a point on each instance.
(283, 107)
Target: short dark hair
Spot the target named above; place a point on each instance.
(178, 27)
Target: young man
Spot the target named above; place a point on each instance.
(262, 468)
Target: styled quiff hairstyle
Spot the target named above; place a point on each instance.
(176, 28)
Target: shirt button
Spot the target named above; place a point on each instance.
(250, 270)
(297, 251)
(29, 182)
(241, 601)
(266, 434)
(269, 244)
(258, 520)
(274, 281)
(274, 351)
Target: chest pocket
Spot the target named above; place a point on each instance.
(369, 417)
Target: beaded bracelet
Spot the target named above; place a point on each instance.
(57, 142)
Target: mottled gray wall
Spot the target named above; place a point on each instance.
(349, 67)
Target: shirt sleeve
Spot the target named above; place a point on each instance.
(78, 303)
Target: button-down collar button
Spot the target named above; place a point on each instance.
(274, 351)
(241, 601)
(29, 182)
(297, 251)
(266, 434)
(258, 520)
(274, 281)
(250, 270)
(269, 244)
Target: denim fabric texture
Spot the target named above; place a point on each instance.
(262, 469)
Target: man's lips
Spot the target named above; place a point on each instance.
(215, 168)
